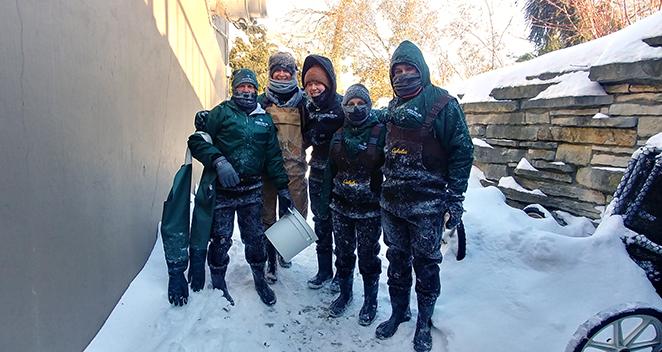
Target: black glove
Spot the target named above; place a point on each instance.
(177, 286)
(196, 269)
(454, 209)
(226, 174)
(201, 120)
(284, 201)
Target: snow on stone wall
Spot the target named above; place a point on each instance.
(575, 115)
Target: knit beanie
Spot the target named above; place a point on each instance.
(317, 73)
(243, 75)
(282, 60)
(357, 91)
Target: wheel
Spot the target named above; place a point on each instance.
(623, 330)
(534, 211)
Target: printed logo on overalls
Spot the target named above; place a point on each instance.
(400, 151)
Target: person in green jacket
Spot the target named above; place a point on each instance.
(351, 188)
(428, 159)
(244, 147)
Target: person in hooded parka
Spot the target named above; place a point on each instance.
(324, 117)
(351, 189)
(428, 156)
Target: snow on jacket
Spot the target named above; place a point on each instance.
(449, 128)
(248, 142)
(323, 120)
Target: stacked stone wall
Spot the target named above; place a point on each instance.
(579, 145)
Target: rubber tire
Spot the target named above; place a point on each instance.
(596, 327)
(533, 212)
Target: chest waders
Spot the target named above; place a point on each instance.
(352, 182)
(290, 139)
(415, 167)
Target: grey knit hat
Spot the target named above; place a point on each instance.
(282, 60)
(357, 90)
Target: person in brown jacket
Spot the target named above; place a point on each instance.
(283, 100)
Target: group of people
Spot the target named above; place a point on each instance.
(398, 170)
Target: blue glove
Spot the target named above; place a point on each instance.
(201, 120)
(196, 269)
(284, 201)
(177, 286)
(226, 174)
(454, 209)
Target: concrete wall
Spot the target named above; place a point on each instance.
(96, 101)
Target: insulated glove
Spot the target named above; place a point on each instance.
(226, 174)
(454, 209)
(284, 201)
(177, 286)
(196, 270)
(201, 120)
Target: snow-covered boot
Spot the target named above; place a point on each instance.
(423, 336)
(400, 313)
(271, 276)
(369, 308)
(283, 263)
(265, 292)
(340, 304)
(324, 271)
(334, 286)
(218, 281)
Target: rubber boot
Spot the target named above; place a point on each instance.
(283, 263)
(400, 313)
(334, 286)
(369, 308)
(265, 292)
(340, 304)
(218, 281)
(271, 276)
(423, 336)
(324, 271)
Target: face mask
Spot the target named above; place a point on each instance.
(356, 114)
(246, 101)
(407, 84)
(318, 100)
(282, 87)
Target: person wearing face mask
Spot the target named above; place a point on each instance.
(351, 188)
(324, 117)
(283, 100)
(244, 147)
(428, 156)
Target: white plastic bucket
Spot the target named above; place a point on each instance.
(291, 234)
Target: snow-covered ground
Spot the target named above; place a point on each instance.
(525, 285)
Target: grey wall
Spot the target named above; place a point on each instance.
(96, 102)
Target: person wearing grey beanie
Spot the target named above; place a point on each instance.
(283, 100)
(350, 189)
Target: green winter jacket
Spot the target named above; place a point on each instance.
(248, 142)
(450, 127)
(355, 139)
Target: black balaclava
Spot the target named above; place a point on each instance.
(408, 84)
(245, 101)
(358, 114)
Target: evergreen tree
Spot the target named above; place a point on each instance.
(253, 54)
